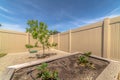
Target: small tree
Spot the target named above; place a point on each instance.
(40, 32)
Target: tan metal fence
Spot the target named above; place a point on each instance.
(101, 38)
(12, 41)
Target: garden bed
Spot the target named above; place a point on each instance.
(67, 68)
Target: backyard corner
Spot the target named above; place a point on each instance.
(60, 40)
(46, 56)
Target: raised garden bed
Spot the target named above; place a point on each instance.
(67, 68)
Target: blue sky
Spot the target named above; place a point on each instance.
(61, 15)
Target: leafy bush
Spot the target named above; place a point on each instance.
(46, 74)
(28, 46)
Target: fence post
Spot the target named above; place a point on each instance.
(69, 41)
(58, 41)
(27, 39)
(106, 38)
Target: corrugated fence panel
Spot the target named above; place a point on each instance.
(64, 42)
(99, 38)
(12, 42)
(87, 40)
(55, 39)
(115, 41)
(50, 39)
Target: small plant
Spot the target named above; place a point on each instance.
(28, 46)
(87, 54)
(54, 44)
(2, 54)
(46, 74)
(84, 60)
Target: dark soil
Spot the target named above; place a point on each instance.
(68, 69)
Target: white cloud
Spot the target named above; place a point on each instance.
(114, 11)
(74, 23)
(8, 17)
(5, 10)
(14, 27)
(80, 22)
(66, 26)
(77, 22)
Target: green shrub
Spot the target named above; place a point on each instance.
(33, 51)
(54, 44)
(28, 46)
(46, 74)
(87, 54)
(84, 60)
(2, 54)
